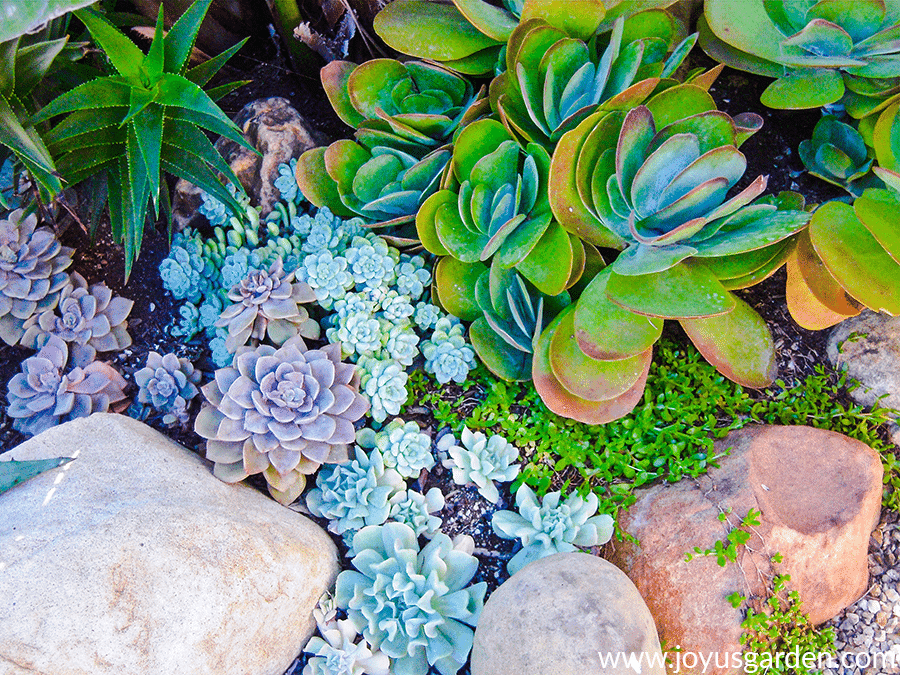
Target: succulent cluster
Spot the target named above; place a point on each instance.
(337, 652)
(415, 605)
(480, 461)
(837, 153)
(87, 319)
(45, 394)
(554, 525)
(446, 353)
(32, 272)
(836, 52)
(280, 412)
(417, 510)
(403, 446)
(168, 383)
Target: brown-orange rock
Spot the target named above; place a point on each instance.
(134, 559)
(567, 614)
(819, 494)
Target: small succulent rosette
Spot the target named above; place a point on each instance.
(168, 384)
(480, 461)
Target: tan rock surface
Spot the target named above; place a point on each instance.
(820, 497)
(134, 559)
(562, 615)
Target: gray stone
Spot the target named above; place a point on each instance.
(562, 615)
(134, 559)
(868, 347)
(272, 126)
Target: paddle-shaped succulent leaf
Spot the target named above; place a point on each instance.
(850, 260)
(281, 413)
(514, 315)
(146, 117)
(500, 213)
(408, 106)
(837, 153)
(384, 185)
(552, 81)
(822, 52)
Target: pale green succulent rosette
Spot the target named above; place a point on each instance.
(837, 153)
(552, 81)
(821, 52)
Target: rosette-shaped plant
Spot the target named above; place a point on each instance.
(415, 509)
(552, 81)
(90, 320)
(821, 52)
(446, 353)
(514, 316)
(848, 259)
(408, 106)
(414, 605)
(481, 461)
(32, 272)
(654, 181)
(500, 212)
(168, 383)
(383, 382)
(837, 153)
(403, 445)
(267, 302)
(356, 494)
(281, 413)
(552, 526)
(43, 395)
(338, 653)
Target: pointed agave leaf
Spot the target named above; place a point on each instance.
(608, 332)
(13, 472)
(686, 290)
(855, 258)
(738, 344)
(83, 122)
(204, 72)
(124, 55)
(104, 92)
(181, 37)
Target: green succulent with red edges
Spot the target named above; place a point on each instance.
(500, 211)
(848, 259)
(655, 182)
(821, 52)
(552, 81)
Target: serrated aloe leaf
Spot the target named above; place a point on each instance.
(579, 20)
(84, 122)
(454, 283)
(809, 88)
(32, 63)
(804, 304)
(194, 141)
(855, 258)
(181, 37)
(761, 232)
(501, 359)
(203, 73)
(148, 129)
(640, 259)
(588, 378)
(411, 27)
(213, 123)
(738, 344)
(879, 211)
(13, 472)
(334, 78)
(494, 22)
(566, 404)
(549, 265)
(123, 54)
(606, 331)
(660, 169)
(29, 149)
(103, 92)
(687, 290)
(818, 279)
(178, 92)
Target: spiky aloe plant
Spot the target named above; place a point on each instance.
(552, 81)
(655, 181)
(848, 259)
(820, 52)
(147, 117)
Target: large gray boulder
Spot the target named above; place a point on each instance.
(567, 614)
(133, 559)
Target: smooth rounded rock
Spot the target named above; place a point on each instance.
(567, 614)
(133, 559)
(819, 494)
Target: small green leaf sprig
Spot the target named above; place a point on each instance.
(726, 551)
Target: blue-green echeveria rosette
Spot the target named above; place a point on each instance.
(44, 395)
(416, 510)
(404, 446)
(168, 383)
(383, 382)
(280, 412)
(337, 651)
(32, 272)
(552, 526)
(481, 461)
(89, 320)
(355, 494)
(446, 353)
(414, 605)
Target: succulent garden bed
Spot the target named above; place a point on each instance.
(447, 342)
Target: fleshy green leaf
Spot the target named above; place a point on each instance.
(181, 37)
(13, 472)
